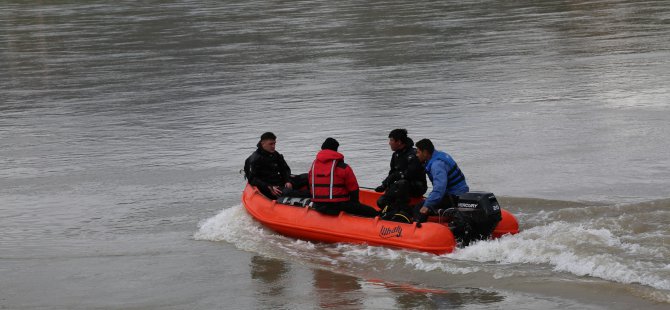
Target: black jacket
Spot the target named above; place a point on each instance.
(406, 166)
(264, 169)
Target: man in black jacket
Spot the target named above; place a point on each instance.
(407, 178)
(266, 168)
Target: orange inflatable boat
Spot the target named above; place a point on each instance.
(307, 224)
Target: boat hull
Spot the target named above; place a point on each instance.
(308, 224)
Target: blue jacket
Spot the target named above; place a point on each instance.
(446, 177)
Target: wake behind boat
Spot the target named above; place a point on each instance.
(295, 219)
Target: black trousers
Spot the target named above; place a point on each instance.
(298, 182)
(395, 199)
(334, 208)
(449, 201)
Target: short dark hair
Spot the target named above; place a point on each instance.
(330, 144)
(425, 145)
(399, 134)
(268, 136)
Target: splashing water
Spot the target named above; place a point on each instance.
(593, 241)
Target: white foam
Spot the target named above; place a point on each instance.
(565, 247)
(430, 264)
(569, 248)
(412, 259)
(235, 226)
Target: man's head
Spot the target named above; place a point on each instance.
(398, 139)
(268, 142)
(330, 144)
(424, 150)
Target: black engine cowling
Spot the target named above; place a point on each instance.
(475, 218)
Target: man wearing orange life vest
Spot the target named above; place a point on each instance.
(333, 185)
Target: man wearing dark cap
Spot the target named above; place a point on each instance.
(333, 184)
(266, 169)
(406, 179)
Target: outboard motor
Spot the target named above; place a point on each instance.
(476, 217)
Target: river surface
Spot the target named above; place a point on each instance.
(124, 124)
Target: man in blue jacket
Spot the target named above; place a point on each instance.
(448, 180)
